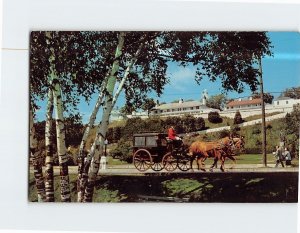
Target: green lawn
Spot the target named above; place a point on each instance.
(226, 122)
(253, 159)
(189, 187)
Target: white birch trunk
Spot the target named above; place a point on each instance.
(37, 166)
(60, 136)
(109, 88)
(49, 182)
(99, 103)
(97, 148)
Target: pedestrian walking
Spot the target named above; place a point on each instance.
(279, 156)
(288, 157)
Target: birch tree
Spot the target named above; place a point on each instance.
(37, 166)
(49, 180)
(71, 59)
(106, 89)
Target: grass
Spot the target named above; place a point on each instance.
(102, 192)
(190, 187)
(255, 117)
(226, 122)
(254, 159)
(111, 161)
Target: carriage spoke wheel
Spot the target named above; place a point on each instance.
(157, 166)
(169, 162)
(184, 163)
(142, 160)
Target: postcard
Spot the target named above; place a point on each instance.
(164, 116)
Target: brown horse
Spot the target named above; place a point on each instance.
(228, 152)
(203, 150)
(220, 150)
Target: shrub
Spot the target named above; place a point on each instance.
(154, 124)
(256, 131)
(200, 123)
(214, 117)
(132, 126)
(224, 133)
(237, 118)
(235, 129)
(176, 122)
(122, 151)
(188, 123)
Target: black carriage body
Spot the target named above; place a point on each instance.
(155, 143)
(156, 151)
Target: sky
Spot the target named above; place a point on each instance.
(280, 71)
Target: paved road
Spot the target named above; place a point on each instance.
(130, 169)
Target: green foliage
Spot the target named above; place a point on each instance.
(122, 151)
(132, 126)
(216, 101)
(224, 133)
(237, 118)
(114, 134)
(293, 92)
(200, 123)
(176, 122)
(74, 132)
(148, 105)
(180, 187)
(214, 117)
(188, 123)
(268, 98)
(292, 122)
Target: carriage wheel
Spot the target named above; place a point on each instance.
(184, 163)
(157, 166)
(142, 160)
(169, 162)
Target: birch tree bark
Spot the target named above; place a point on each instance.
(49, 185)
(109, 92)
(60, 137)
(81, 156)
(37, 166)
(97, 148)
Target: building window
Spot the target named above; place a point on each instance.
(277, 102)
(168, 110)
(184, 109)
(192, 108)
(197, 107)
(287, 102)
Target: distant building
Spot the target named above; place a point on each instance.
(285, 102)
(251, 107)
(116, 115)
(182, 107)
(243, 104)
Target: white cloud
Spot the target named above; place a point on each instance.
(181, 77)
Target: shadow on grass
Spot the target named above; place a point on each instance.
(189, 187)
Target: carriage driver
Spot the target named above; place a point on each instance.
(173, 136)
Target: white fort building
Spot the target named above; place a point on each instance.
(194, 107)
(198, 108)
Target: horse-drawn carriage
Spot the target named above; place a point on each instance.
(156, 151)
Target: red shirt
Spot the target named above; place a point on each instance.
(171, 133)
